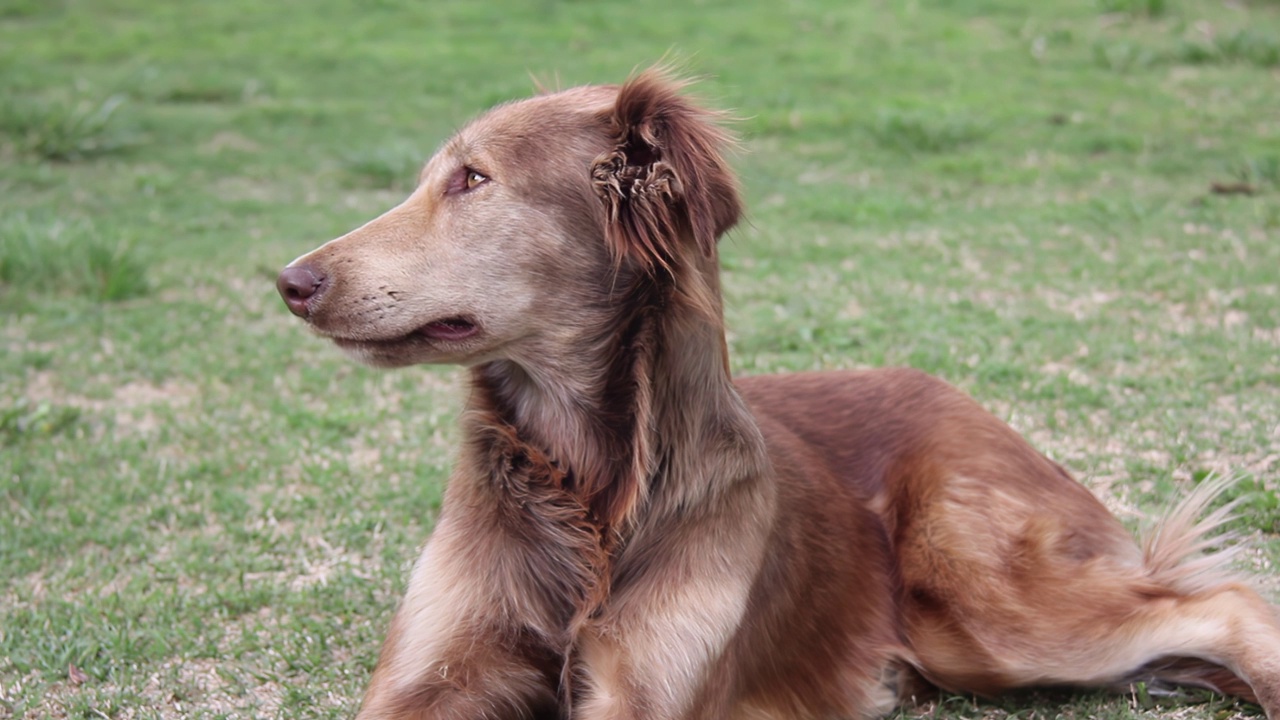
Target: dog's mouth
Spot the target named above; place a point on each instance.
(447, 330)
(450, 329)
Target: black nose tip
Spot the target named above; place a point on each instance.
(298, 284)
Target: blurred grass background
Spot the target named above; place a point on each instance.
(1069, 209)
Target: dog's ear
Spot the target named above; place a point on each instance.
(666, 180)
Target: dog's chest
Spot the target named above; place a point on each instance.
(555, 552)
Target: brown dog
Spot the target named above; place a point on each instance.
(629, 533)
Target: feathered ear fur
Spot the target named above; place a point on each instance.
(665, 182)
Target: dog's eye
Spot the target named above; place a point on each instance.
(465, 179)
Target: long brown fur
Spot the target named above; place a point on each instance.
(630, 533)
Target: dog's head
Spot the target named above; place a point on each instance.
(534, 214)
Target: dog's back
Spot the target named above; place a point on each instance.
(1008, 572)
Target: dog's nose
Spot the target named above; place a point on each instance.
(297, 285)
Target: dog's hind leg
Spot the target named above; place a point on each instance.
(1001, 592)
(1226, 639)
(1207, 638)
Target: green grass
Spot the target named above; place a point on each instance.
(925, 131)
(64, 130)
(206, 512)
(1147, 8)
(389, 166)
(53, 257)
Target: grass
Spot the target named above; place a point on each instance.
(924, 131)
(1142, 8)
(1258, 170)
(64, 130)
(205, 512)
(1241, 46)
(390, 166)
(54, 257)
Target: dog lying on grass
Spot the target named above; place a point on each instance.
(631, 533)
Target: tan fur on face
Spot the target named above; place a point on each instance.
(629, 533)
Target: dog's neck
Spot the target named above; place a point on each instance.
(617, 409)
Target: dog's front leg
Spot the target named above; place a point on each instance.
(456, 647)
(655, 654)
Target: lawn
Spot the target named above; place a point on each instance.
(1069, 209)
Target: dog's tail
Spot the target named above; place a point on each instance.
(1187, 550)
